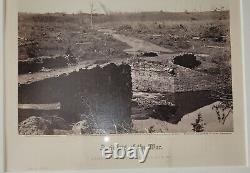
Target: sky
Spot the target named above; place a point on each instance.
(100, 6)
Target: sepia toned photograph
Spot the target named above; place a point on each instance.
(124, 67)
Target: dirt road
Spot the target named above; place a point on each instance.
(137, 45)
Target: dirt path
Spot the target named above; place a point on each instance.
(137, 45)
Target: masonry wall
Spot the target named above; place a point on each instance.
(101, 93)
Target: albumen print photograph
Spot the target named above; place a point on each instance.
(124, 67)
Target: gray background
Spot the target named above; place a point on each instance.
(41, 6)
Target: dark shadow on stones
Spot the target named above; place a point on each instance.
(183, 103)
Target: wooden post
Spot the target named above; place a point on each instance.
(91, 13)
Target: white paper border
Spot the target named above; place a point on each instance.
(245, 36)
(2, 151)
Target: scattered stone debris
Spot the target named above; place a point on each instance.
(187, 60)
(35, 126)
(148, 100)
(170, 71)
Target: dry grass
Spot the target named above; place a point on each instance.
(59, 33)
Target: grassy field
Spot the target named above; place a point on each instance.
(200, 33)
(60, 34)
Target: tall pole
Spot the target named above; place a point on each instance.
(91, 13)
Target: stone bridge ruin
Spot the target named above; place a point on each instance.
(101, 95)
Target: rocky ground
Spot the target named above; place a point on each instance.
(180, 69)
